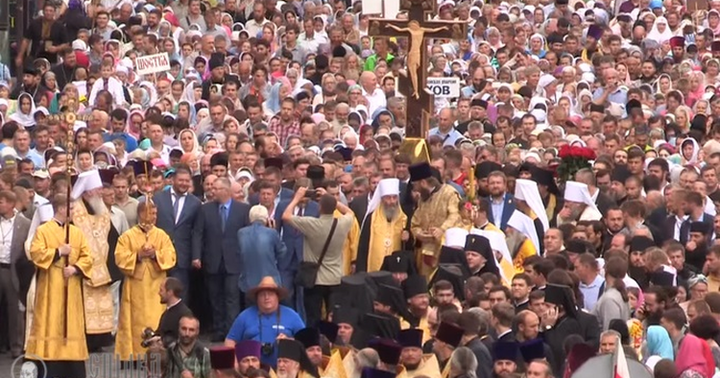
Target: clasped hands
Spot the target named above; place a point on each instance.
(147, 251)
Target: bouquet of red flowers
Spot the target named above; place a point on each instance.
(573, 159)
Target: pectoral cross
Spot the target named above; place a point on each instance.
(412, 84)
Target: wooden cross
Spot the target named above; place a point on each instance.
(417, 28)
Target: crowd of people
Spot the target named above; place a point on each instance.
(261, 190)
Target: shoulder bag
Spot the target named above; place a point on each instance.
(308, 271)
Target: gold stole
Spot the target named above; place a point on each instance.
(347, 355)
(333, 366)
(384, 237)
(550, 208)
(423, 325)
(99, 307)
(429, 367)
(351, 244)
(446, 370)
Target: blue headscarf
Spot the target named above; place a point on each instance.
(273, 102)
(659, 343)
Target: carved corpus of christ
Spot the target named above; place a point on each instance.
(417, 42)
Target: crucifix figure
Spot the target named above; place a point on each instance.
(417, 43)
(417, 27)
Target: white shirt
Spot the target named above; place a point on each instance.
(164, 153)
(678, 224)
(115, 87)
(253, 27)
(376, 100)
(177, 197)
(6, 236)
(39, 200)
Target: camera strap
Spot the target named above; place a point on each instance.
(277, 324)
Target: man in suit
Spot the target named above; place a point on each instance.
(500, 202)
(14, 228)
(359, 204)
(215, 243)
(177, 210)
(272, 176)
(293, 240)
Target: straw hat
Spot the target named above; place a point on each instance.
(268, 283)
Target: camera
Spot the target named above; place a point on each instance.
(311, 193)
(267, 349)
(146, 335)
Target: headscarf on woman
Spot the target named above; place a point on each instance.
(130, 129)
(24, 119)
(692, 357)
(658, 36)
(659, 343)
(272, 104)
(196, 144)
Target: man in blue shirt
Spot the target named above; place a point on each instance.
(446, 128)
(267, 321)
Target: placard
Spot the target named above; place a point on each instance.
(151, 64)
(448, 87)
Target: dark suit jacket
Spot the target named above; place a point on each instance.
(181, 233)
(292, 238)
(285, 194)
(483, 356)
(359, 206)
(604, 202)
(213, 245)
(508, 209)
(169, 325)
(21, 269)
(685, 228)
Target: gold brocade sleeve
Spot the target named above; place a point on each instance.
(453, 212)
(526, 250)
(83, 260)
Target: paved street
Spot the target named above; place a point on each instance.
(100, 365)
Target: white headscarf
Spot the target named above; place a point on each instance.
(656, 35)
(23, 119)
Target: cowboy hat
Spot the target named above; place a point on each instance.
(268, 283)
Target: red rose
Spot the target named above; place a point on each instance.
(564, 151)
(576, 151)
(591, 154)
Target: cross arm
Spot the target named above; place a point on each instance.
(433, 29)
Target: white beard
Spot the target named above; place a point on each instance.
(96, 204)
(390, 212)
(287, 374)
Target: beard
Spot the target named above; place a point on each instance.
(96, 204)
(288, 373)
(390, 212)
(411, 367)
(424, 194)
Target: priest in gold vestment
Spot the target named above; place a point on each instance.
(382, 228)
(412, 357)
(350, 247)
(437, 210)
(57, 335)
(328, 366)
(144, 254)
(92, 217)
